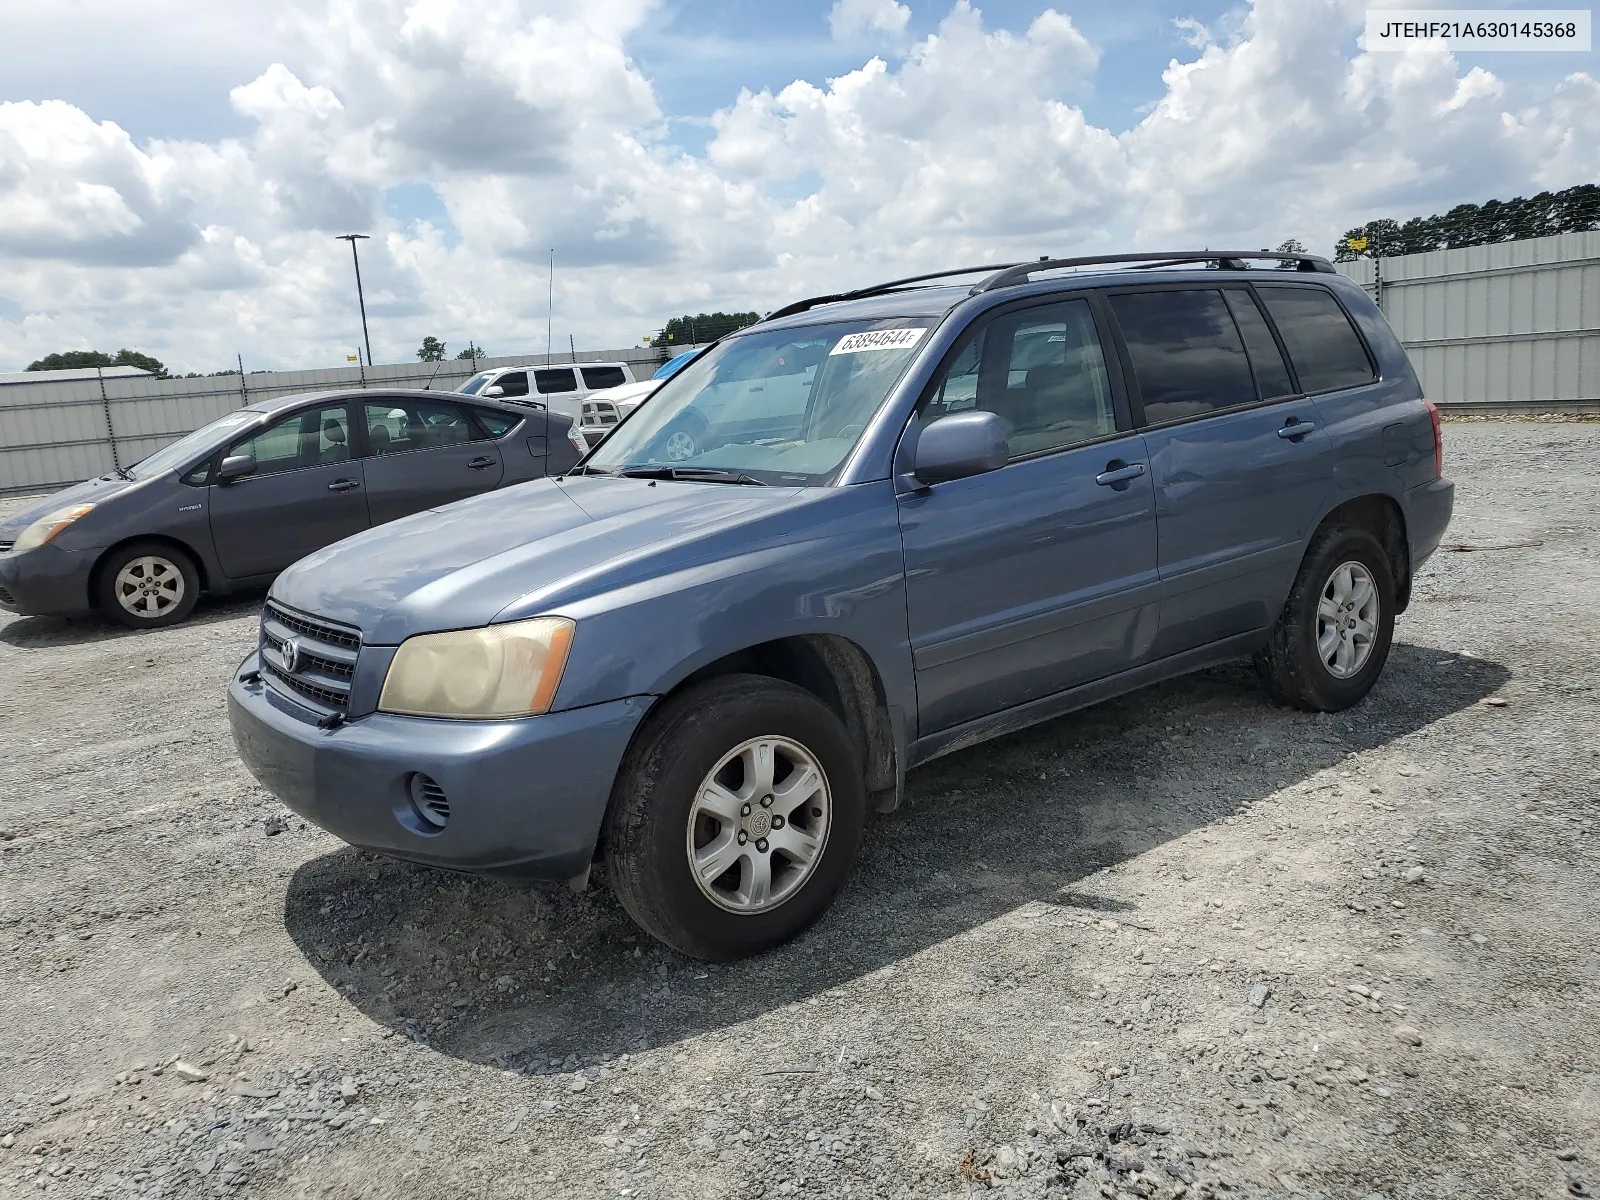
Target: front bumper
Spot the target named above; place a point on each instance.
(46, 579)
(526, 797)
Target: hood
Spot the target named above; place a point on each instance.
(91, 491)
(628, 392)
(462, 565)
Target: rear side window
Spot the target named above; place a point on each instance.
(558, 379)
(512, 383)
(1186, 352)
(402, 425)
(1272, 377)
(498, 424)
(596, 378)
(1325, 348)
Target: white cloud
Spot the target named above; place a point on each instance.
(852, 18)
(536, 128)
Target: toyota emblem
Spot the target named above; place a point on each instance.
(291, 655)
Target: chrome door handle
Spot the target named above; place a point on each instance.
(1297, 429)
(344, 485)
(1114, 474)
(478, 464)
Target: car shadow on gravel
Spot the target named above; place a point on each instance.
(27, 633)
(545, 981)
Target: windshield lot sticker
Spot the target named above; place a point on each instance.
(877, 339)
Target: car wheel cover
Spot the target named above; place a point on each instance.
(149, 586)
(680, 445)
(1347, 620)
(758, 825)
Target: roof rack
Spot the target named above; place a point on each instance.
(1228, 260)
(1010, 274)
(879, 288)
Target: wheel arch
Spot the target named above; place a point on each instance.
(1380, 515)
(838, 672)
(160, 539)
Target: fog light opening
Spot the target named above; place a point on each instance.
(429, 803)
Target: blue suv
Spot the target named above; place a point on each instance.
(918, 516)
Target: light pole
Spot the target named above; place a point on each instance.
(353, 238)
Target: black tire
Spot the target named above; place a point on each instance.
(1293, 670)
(648, 824)
(167, 604)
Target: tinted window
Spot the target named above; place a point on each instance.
(1041, 370)
(304, 439)
(1272, 377)
(513, 383)
(1326, 350)
(603, 377)
(398, 426)
(1186, 352)
(472, 386)
(497, 423)
(560, 379)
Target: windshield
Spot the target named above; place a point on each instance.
(193, 445)
(784, 406)
(673, 365)
(471, 386)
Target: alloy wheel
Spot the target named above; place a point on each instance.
(1347, 620)
(150, 586)
(759, 824)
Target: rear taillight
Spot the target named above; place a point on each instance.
(1438, 439)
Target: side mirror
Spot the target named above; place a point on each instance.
(236, 466)
(496, 390)
(962, 444)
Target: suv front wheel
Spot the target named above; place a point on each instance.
(1332, 639)
(736, 818)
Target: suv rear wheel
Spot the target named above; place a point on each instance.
(736, 817)
(147, 585)
(1332, 639)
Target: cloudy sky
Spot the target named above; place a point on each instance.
(173, 172)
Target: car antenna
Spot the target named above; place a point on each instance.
(431, 378)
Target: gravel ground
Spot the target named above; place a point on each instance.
(1185, 942)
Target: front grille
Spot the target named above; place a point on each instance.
(322, 631)
(600, 413)
(5, 547)
(6, 597)
(321, 665)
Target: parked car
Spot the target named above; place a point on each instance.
(919, 517)
(234, 503)
(602, 410)
(560, 389)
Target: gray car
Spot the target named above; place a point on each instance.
(233, 503)
(914, 518)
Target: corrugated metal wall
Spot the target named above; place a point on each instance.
(53, 434)
(1507, 324)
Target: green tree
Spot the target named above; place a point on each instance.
(474, 352)
(1289, 246)
(1574, 210)
(432, 350)
(706, 327)
(69, 360)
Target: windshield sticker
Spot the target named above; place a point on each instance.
(877, 339)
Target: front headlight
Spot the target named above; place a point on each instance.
(46, 527)
(506, 670)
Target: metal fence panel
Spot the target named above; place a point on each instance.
(1511, 323)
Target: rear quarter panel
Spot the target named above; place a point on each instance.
(1382, 432)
